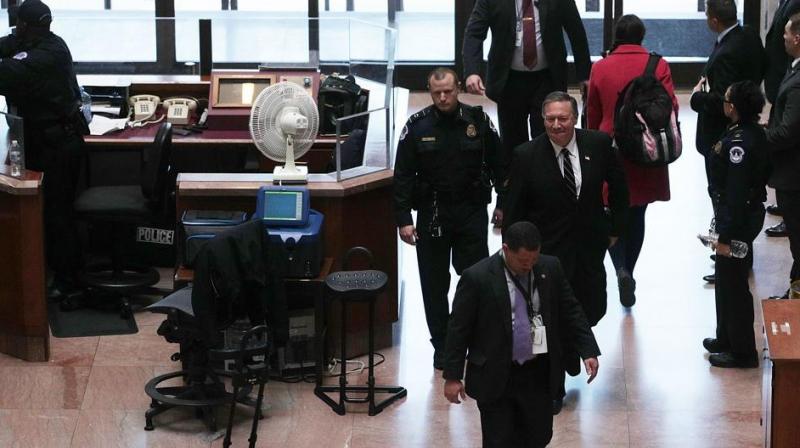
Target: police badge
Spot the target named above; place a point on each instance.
(471, 131)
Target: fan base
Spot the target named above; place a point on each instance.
(298, 175)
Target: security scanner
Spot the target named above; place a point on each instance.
(294, 230)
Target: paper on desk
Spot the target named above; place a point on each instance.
(103, 125)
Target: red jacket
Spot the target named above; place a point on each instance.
(609, 76)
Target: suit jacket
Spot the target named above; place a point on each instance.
(537, 193)
(738, 57)
(609, 77)
(480, 326)
(777, 59)
(555, 17)
(783, 135)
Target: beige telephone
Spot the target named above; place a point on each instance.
(178, 110)
(143, 107)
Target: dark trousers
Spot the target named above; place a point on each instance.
(60, 156)
(464, 235)
(789, 203)
(523, 415)
(626, 252)
(734, 303)
(521, 105)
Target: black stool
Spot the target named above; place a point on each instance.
(352, 287)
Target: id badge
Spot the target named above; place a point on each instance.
(538, 336)
(518, 41)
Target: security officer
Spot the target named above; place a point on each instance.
(739, 169)
(38, 81)
(448, 158)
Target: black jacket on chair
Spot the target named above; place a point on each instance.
(783, 135)
(556, 16)
(738, 57)
(234, 274)
(481, 325)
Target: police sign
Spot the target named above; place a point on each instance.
(153, 235)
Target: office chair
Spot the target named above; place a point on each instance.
(129, 204)
(233, 279)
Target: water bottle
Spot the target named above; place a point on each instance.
(86, 106)
(738, 248)
(15, 159)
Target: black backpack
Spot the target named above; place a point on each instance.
(646, 129)
(340, 96)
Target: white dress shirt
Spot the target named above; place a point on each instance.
(574, 157)
(512, 291)
(541, 58)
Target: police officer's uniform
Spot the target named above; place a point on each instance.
(39, 83)
(738, 174)
(444, 169)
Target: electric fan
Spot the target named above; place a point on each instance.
(283, 124)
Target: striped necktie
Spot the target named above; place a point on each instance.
(569, 175)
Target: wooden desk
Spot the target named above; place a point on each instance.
(358, 212)
(24, 331)
(781, 387)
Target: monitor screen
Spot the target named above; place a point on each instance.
(240, 91)
(283, 205)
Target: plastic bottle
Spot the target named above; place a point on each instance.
(738, 248)
(15, 159)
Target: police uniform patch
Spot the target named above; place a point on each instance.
(403, 133)
(737, 154)
(21, 55)
(471, 131)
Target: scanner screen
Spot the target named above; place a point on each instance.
(283, 205)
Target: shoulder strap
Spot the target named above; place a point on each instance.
(652, 63)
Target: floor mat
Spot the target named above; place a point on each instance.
(88, 322)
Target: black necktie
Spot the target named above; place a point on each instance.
(569, 175)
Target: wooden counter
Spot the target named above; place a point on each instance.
(24, 331)
(781, 386)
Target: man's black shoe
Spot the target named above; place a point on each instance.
(627, 288)
(784, 296)
(710, 278)
(777, 230)
(729, 360)
(713, 345)
(558, 403)
(438, 360)
(773, 209)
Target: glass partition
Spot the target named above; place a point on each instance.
(362, 143)
(12, 143)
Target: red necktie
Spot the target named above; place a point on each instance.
(528, 35)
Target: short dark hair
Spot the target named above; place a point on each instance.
(440, 73)
(748, 100)
(522, 234)
(629, 30)
(560, 97)
(795, 19)
(722, 10)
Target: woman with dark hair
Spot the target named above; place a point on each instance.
(626, 61)
(738, 175)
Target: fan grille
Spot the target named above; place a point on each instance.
(264, 127)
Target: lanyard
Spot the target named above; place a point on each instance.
(525, 293)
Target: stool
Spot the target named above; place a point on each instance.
(354, 287)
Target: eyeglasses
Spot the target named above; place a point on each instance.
(552, 119)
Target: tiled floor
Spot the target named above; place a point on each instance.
(655, 387)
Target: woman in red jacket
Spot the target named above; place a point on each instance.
(626, 61)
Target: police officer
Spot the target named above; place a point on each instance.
(38, 81)
(738, 174)
(448, 158)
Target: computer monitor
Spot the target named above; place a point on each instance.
(283, 206)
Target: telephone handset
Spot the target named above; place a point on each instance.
(143, 107)
(178, 110)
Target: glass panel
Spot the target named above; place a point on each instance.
(272, 5)
(676, 29)
(108, 36)
(426, 30)
(363, 148)
(84, 5)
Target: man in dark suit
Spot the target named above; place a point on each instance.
(783, 138)
(512, 314)
(777, 64)
(527, 59)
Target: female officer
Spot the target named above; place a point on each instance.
(739, 171)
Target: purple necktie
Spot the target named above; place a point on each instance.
(522, 329)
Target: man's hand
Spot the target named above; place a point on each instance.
(699, 86)
(724, 249)
(408, 234)
(453, 389)
(612, 240)
(497, 218)
(475, 85)
(592, 366)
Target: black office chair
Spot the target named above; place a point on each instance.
(129, 204)
(233, 279)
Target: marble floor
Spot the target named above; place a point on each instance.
(655, 387)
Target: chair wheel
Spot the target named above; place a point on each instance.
(148, 426)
